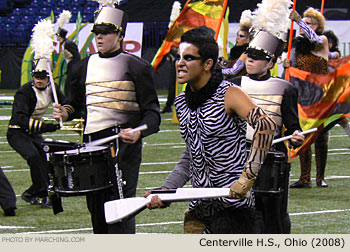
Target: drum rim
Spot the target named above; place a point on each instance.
(80, 192)
(81, 150)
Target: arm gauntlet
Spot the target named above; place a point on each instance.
(264, 129)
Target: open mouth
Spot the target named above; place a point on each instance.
(181, 73)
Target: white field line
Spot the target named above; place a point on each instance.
(14, 227)
(182, 146)
(176, 222)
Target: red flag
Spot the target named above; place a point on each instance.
(195, 13)
(323, 98)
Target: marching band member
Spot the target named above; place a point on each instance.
(25, 130)
(238, 55)
(113, 88)
(31, 102)
(311, 55)
(70, 49)
(279, 99)
(213, 114)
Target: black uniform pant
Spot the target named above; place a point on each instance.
(129, 160)
(7, 194)
(171, 86)
(29, 147)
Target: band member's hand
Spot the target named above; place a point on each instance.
(129, 137)
(240, 189)
(286, 63)
(59, 112)
(297, 138)
(155, 201)
(294, 15)
(49, 127)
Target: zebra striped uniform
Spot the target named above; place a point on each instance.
(217, 146)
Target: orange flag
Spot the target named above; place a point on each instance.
(195, 13)
(324, 99)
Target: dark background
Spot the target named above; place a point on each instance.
(18, 17)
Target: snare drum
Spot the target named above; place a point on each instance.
(83, 170)
(273, 174)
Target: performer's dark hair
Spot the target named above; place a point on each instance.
(332, 38)
(203, 38)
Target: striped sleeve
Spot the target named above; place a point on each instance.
(264, 129)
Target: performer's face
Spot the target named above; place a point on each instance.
(310, 22)
(257, 66)
(189, 65)
(242, 38)
(107, 43)
(41, 82)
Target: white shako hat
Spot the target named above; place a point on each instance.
(110, 16)
(270, 23)
(267, 43)
(41, 67)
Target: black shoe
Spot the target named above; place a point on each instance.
(321, 183)
(166, 110)
(10, 211)
(46, 202)
(33, 200)
(299, 184)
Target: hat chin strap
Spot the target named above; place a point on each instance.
(267, 66)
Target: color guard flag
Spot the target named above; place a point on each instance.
(324, 99)
(195, 13)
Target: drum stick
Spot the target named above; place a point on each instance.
(107, 139)
(290, 136)
(54, 93)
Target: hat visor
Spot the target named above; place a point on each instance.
(104, 29)
(257, 54)
(40, 74)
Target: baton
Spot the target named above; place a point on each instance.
(290, 136)
(107, 139)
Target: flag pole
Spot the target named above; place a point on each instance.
(291, 32)
(322, 6)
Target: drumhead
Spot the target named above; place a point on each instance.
(82, 150)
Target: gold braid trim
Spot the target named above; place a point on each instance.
(69, 109)
(264, 127)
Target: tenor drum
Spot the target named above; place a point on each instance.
(83, 170)
(51, 145)
(273, 174)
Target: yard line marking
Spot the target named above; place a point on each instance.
(327, 177)
(7, 151)
(343, 149)
(6, 98)
(159, 163)
(337, 153)
(90, 229)
(321, 212)
(153, 172)
(14, 227)
(6, 167)
(161, 144)
(59, 231)
(19, 170)
(159, 223)
(175, 222)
